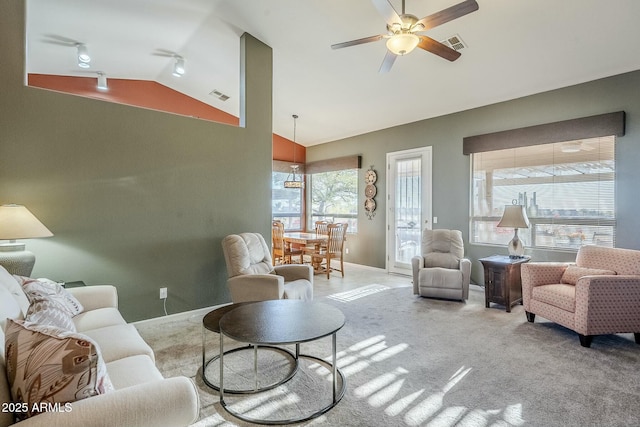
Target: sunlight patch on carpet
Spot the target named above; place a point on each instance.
(358, 293)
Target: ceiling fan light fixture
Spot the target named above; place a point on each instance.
(403, 43)
(178, 67)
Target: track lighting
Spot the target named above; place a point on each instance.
(178, 67)
(102, 81)
(83, 56)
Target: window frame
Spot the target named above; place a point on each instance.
(551, 227)
(602, 125)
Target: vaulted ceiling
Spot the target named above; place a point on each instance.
(513, 48)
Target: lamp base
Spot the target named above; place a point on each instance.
(16, 259)
(515, 246)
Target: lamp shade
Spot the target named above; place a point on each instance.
(17, 222)
(514, 216)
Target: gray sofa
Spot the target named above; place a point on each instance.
(140, 395)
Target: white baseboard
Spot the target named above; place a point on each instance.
(200, 312)
(185, 315)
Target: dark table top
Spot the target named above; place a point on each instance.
(281, 322)
(211, 320)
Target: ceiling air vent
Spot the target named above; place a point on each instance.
(454, 42)
(221, 96)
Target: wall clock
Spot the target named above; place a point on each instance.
(370, 177)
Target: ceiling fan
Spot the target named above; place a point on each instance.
(404, 31)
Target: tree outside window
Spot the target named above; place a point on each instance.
(334, 197)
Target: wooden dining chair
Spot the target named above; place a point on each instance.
(334, 249)
(279, 249)
(320, 230)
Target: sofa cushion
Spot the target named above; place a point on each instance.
(133, 370)
(47, 364)
(561, 296)
(573, 273)
(10, 283)
(98, 318)
(120, 341)
(9, 307)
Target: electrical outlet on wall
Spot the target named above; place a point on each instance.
(346, 251)
(163, 293)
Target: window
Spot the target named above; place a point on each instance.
(286, 203)
(567, 189)
(334, 197)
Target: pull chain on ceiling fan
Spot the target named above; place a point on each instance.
(404, 31)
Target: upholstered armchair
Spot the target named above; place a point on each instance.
(252, 277)
(599, 294)
(441, 271)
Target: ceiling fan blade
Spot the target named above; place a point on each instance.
(447, 14)
(437, 48)
(357, 42)
(387, 62)
(387, 11)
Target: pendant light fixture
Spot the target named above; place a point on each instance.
(294, 183)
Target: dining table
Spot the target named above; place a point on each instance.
(307, 239)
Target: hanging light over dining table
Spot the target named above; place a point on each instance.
(292, 181)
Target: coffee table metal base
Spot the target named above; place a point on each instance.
(338, 392)
(256, 389)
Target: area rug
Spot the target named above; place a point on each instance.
(412, 361)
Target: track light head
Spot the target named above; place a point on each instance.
(178, 67)
(102, 81)
(83, 55)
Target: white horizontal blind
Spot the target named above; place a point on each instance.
(567, 188)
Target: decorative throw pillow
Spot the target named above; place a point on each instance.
(48, 365)
(45, 288)
(46, 311)
(573, 273)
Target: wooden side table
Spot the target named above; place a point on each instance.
(502, 283)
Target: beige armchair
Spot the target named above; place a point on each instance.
(252, 277)
(599, 294)
(441, 271)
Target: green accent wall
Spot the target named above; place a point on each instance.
(136, 198)
(451, 169)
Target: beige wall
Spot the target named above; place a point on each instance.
(137, 198)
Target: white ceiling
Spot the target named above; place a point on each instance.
(515, 48)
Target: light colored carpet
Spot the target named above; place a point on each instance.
(413, 361)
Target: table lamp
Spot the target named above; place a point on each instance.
(17, 222)
(514, 216)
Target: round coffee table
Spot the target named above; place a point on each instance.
(283, 322)
(211, 322)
